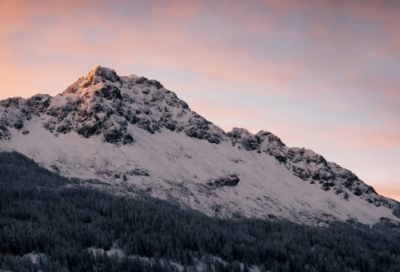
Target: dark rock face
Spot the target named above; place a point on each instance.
(4, 133)
(252, 143)
(148, 106)
(263, 141)
(230, 181)
(327, 185)
(329, 175)
(113, 135)
(107, 74)
(171, 126)
(214, 140)
(306, 165)
(87, 130)
(64, 128)
(155, 83)
(339, 191)
(18, 124)
(146, 124)
(128, 139)
(55, 168)
(199, 128)
(39, 102)
(138, 172)
(301, 172)
(10, 102)
(357, 191)
(110, 92)
(248, 141)
(93, 105)
(141, 80)
(370, 189)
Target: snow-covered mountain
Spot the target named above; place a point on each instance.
(133, 135)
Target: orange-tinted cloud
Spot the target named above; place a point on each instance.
(389, 190)
(321, 63)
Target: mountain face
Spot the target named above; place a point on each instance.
(130, 135)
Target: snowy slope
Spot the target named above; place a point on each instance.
(136, 136)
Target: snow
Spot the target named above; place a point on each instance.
(200, 264)
(266, 187)
(34, 257)
(179, 167)
(62, 100)
(133, 76)
(114, 250)
(323, 225)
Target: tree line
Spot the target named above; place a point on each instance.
(38, 213)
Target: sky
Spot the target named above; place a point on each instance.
(324, 75)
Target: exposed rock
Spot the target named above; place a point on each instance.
(301, 172)
(338, 191)
(326, 186)
(323, 225)
(107, 74)
(87, 130)
(138, 172)
(18, 124)
(4, 132)
(170, 126)
(155, 83)
(304, 163)
(357, 191)
(141, 80)
(84, 108)
(128, 139)
(55, 168)
(231, 181)
(113, 135)
(110, 92)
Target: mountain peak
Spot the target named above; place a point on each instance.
(103, 103)
(97, 66)
(103, 74)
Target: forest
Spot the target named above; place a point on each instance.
(44, 213)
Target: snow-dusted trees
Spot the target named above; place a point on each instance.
(39, 214)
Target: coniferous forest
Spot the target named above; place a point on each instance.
(46, 214)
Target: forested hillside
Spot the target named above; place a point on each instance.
(45, 214)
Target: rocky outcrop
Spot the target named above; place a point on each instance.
(307, 165)
(102, 104)
(138, 172)
(261, 142)
(4, 133)
(231, 181)
(200, 129)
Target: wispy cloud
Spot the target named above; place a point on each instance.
(320, 74)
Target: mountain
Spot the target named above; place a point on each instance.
(130, 135)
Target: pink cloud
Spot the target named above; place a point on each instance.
(389, 190)
(230, 47)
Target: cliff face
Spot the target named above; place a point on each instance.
(134, 135)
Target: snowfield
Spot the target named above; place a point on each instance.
(134, 136)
